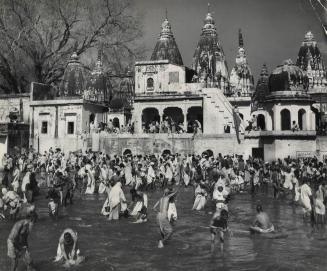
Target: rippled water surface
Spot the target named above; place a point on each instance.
(125, 246)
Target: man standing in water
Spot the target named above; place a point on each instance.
(17, 242)
(262, 222)
(166, 229)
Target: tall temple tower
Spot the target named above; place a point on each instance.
(261, 90)
(209, 60)
(241, 78)
(166, 47)
(310, 60)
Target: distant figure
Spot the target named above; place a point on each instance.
(295, 126)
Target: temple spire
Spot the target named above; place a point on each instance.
(240, 39)
(166, 14)
(208, 7)
(166, 47)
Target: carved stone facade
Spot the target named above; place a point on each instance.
(241, 78)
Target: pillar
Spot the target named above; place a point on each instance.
(185, 110)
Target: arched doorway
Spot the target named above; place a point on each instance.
(285, 121)
(174, 117)
(150, 115)
(115, 122)
(194, 117)
(127, 152)
(92, 118)
(208, 152)
(301, 119)
(166, 152)
(261, 122)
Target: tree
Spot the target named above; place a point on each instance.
(39, 36)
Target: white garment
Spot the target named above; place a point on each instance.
(90, 183)
(305, 194)
(172, 211)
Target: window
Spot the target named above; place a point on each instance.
(70, 127)
(150, 84)
(173, 77)
(44, 127)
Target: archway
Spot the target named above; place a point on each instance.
(301, 119)
(174, 116)
(127, 152)
(261, 122)
(115, 122)
(150, 115)
(285, 116)
(271, 114)
(149, 84)
(208, 152)
(194, 117)
(91, 118)
(166, 152)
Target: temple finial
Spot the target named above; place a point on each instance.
(166, 14)
(208, 7)
(240, 39)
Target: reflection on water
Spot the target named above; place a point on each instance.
(125, 246)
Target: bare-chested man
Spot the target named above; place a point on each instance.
(166, 229)
(262, 223)
(17, 242)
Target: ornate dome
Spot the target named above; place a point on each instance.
(209, 60)
(166, 47)
(73, 81)
(288, 77)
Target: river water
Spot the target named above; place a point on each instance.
(125, 246)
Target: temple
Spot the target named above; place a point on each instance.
(163, 106)
(241, 78)
(209, 61)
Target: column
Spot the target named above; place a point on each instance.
(185, 110)
(161, 114)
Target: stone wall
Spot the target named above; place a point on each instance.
(157, 143)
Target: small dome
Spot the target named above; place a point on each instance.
(288, 77)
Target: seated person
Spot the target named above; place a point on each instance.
(67, 250)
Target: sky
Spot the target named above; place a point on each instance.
(272, 29)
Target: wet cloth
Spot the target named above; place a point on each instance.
(200, 198)
(258, 229)
(165, 227)
(90, 183)
(305, 194)
(172, 212)
(116, 201)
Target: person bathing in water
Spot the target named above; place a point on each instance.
(219, 225)
(68, 251)
(262, 223)
(166, 229)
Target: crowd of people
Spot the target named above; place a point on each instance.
(216, 180)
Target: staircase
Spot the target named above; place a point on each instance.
(218, 112)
